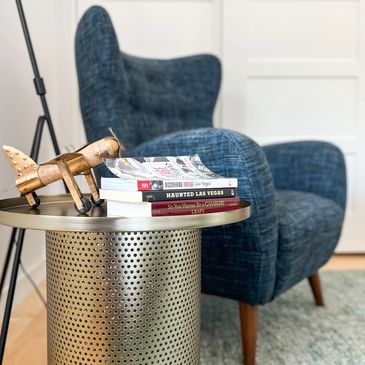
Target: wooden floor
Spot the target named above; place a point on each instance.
(26, 344)
(27, 333)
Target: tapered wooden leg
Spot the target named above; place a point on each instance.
(315, 284)
(249, 315)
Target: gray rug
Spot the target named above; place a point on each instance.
(293, 331)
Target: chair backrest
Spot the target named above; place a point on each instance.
(139, 98)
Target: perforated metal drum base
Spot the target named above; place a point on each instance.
(123, 298)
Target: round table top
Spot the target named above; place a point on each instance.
(57, 213)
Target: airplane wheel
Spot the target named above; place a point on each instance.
(86, 206)
(97, 202)
(37, 200)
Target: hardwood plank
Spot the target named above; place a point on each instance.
(27, 339)
(346, 262)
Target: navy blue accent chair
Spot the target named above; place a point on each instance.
(165, 107)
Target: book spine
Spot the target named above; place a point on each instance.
(192, 207)
(200, 184)
(152, 196)
(153, 185)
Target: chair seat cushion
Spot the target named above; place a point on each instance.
(309, 229)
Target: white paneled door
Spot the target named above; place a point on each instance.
(293, 69)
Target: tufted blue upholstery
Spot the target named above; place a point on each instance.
(307, 235)
(140, 94)
(239, 261)
(165, 107)
(315, 167)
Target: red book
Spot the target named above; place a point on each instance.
(170, 208)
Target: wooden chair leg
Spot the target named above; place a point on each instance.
(315, 284)
(249, 316)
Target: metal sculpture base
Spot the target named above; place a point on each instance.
(128, 298)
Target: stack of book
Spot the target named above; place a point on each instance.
(166, 186)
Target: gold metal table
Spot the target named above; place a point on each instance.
(119, 290)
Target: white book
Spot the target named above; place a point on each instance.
(162, 173)
(122, 196)
(128, 209)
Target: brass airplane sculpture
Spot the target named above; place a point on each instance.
(31, 177)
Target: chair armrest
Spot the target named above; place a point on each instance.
(239, 260)
(316, 167)
(224, 152)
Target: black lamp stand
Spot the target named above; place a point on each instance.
(17, 235)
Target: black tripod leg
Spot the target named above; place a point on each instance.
(7, 260)
(10, 298)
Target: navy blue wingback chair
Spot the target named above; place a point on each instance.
(165, 107)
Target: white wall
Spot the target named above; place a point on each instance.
(292, 70)
(20, 107)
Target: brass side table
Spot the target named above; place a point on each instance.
(119, 290)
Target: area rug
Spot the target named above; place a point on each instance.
(293, 331)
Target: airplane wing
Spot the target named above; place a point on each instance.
(66, 157)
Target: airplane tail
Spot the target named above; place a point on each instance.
(19, 161)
